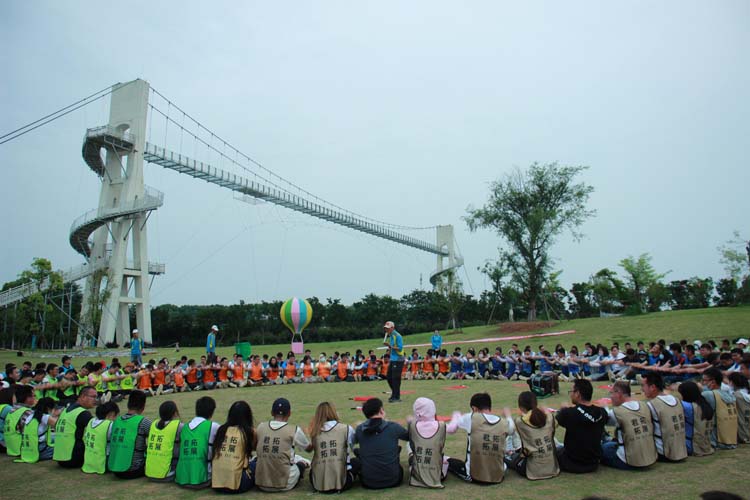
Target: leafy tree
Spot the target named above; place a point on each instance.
(735, 257)
(610, 293)
(449, 286)
(693, 293)
(584, 303)
(657, 296)
(529, 210)
(641, 276)
(727, 290)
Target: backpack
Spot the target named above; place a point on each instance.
(544, 385)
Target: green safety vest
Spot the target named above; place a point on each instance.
(69, 391)
(12, 436)
(122, 445)
(65, 434)
(160, 448)
(95, 447)
(192, 467)
(30, 443)
(113, 385)
(99, 386)
(127, 384)
(84, 381)
(38, 393)
(50, 393)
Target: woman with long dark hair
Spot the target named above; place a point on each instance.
(163, 445)
(699, 420)
(534, 426)
(233, 448)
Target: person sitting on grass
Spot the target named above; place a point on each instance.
(584, 426)
(7, 405)
(129, 434)
(379, 448)
(232, 470)
(428, 466)
(724, 403)
(485, 447)
(96, 438)
(256, 373)
(69, 429)
(332, 470)
(668, 418)
(278, 467)
(537, 458)
(25, 400)
(699, 420)
(197, 438)
(633, 446)
(738, 383)
(33, 426)
(163, 448)
(273, 371)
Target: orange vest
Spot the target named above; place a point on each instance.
(273, 372)
(256, 372)
(239, 371)
(307, 370)
(443, 365)
(192, 375)
(427, 365)
(223, 373)
(342, 369)
(290, 370)
(159, 377)
(324, 370)
(384, 367)
(209, 375)
(144, 382)
(415, 365)
(372, 369)
(403, 370)
(179, 378)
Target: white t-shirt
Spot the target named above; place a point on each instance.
(465, 423)
(42, 431)
(211, 436)
(300, 441)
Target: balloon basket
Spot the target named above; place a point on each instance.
(298, 347)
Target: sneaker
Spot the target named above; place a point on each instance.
(391, 400)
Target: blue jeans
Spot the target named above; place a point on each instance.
(610, 458)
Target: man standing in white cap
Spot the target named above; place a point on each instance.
(211, 344)
(136, 349)
(394, 340)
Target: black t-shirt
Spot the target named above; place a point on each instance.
(584, 426)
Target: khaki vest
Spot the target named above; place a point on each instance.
(635, 431)
(229, 461)
(539, 449)
(701, 433)
(486, 448)
(275, 449)
(672, 426)
(743, 418)
(726, 421)
(331, 449)
(426, 468)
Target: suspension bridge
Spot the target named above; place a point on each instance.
(108, 235)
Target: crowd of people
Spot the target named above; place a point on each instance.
(46, 414)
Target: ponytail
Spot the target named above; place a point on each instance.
(527, 402)
(167, 411)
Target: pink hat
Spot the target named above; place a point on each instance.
(424, 410)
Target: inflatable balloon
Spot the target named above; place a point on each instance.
(296, 314)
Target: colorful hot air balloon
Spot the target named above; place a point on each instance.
(296, 314)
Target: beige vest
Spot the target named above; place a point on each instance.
(328, 470)
(487, 448)
(672, 425)
(726, 421)
(275, 449)
(427, 460)
(635, 431)
(743, 418)
(230, 461)
(701, 433)
(539, 448)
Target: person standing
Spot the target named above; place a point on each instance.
(136, 349)
(396, 343)
(211, 344)
(437, 341)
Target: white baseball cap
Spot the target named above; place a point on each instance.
(743, 341)
(215, 328)
(135, 330)
(389, 324)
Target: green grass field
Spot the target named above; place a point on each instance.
(724, 470)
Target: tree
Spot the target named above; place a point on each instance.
(530, 209)
(641, 276)
(609, 291)
(735, 257)
(726, 289)
(584, 305)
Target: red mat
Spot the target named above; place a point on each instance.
(607, 387)
(443, 418)
(408, 392)
(361, 398)
(522, 386)
(456, 387)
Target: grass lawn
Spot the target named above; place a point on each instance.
(724, 470)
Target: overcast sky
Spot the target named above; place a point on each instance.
(401, 111)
